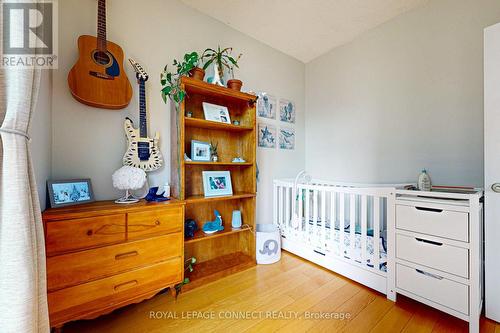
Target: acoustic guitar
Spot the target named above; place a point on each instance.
(142, 151)
(98, 78)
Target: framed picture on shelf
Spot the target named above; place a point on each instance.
(216, 113)
(200, 151)
(217, 183)
(69, 192)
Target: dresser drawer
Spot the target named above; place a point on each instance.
(75, 234)
(157, 222)
(437, 255)
(435, 288)
(435, 222)
(80, 267)
(75, 302)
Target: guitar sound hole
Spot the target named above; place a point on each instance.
(101, 58)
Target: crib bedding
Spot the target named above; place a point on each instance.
(348, 253)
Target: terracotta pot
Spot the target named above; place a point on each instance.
(197, 73)
(234, 84)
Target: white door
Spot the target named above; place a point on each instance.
(492, 170)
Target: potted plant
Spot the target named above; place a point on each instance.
(171, 81)
(197, 73)
(222, 58)
(233, 83)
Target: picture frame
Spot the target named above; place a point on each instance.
(266, 135)
(70, 192)
(216, 113)
(200, 151)
(286, 138)
(266, 106)
(217, 183)
(287, 111)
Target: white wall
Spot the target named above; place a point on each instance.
(405, 96)
(90, 142)
(41, 136)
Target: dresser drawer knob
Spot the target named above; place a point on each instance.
(434, 276)
(126, 255)
(426, 209)
(428, 241)
(125, 285)
(157, 222)
(89, 232)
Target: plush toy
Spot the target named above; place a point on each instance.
(213, 226)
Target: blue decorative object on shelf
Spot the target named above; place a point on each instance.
(190, 227)
(153, 196)
(236, 221)
(213, 226)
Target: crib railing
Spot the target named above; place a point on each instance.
(338, 220)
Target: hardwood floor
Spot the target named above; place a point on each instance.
(267, 299)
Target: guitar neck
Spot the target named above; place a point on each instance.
(143, 126)
(101, 25)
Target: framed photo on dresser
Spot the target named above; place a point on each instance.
(70, 192)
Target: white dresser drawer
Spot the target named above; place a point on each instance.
(435, 288)
(436, 222)
(430, 253)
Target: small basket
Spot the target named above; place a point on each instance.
(268, 247)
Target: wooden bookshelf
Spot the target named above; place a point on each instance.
(230, 250)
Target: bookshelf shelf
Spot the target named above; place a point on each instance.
(213, 125)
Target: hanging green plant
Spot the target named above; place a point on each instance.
(171, 81)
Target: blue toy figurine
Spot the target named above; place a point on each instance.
(213, 226)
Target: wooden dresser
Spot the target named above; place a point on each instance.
(102, 256)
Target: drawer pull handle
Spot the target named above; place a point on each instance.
(126, 255)
(435, 210)
(429, 274)
(428, 241)
(125, 284)
(157, 222)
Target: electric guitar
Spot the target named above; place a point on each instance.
(98, 78)
(142, 151)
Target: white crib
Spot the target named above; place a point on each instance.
(342, 227)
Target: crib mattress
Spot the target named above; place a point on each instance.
(348, 253)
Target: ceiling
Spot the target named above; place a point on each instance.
(304, 29)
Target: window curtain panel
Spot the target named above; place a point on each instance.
(23, 291)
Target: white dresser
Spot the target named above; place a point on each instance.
(439, 251)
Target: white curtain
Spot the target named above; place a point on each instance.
(23, 292)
